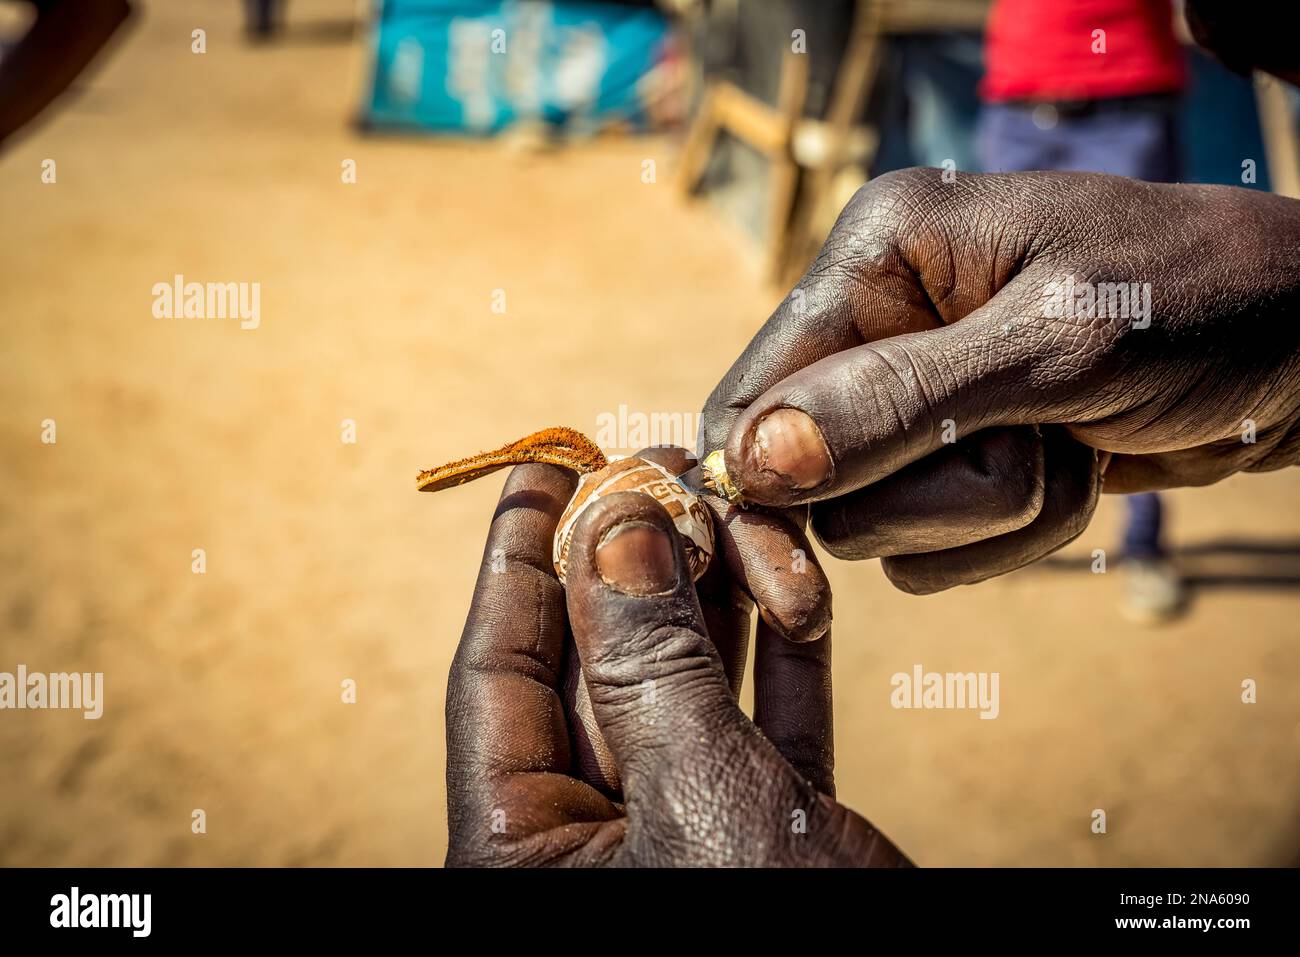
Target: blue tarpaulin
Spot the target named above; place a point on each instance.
(479, 66)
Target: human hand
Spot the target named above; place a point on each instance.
(700, 783)
(927, 318)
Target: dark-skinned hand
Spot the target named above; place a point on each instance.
(925, 319)
(696, 782)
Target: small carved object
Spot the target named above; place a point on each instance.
(573, 450)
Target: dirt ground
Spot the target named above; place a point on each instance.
(323, 564)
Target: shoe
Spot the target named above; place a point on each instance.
(1153, 591)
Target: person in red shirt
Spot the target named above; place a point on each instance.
(1092, 85)
(1080, 51)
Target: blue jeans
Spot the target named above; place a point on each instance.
(1136, 137)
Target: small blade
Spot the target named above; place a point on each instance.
(697, 482)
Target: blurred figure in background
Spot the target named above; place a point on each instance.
(61, 42)
(1092, 85)
(263, 18)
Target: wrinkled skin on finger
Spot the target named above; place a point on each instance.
(701, 784)
(726, 605)
(762, 561)
(927, 322)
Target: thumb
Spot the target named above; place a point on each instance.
(859, 415)
(655, 680)
(702, 784)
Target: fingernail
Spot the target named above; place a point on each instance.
(790, 444)
(637, 558)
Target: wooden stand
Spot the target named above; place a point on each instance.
(807, 155)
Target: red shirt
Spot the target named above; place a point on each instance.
(1048, 50)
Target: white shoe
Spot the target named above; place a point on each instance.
(1153, 591)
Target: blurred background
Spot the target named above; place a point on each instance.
(469, 220)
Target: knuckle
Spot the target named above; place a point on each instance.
(836, 530)
(928, 573)
(1076, 520)
(888, 393)
(1014, 495)
(912, 574)
(668, 655)
(1022, 503)
(870, 224)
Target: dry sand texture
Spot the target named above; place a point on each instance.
(223, 690)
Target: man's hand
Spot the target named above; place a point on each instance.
(700, 783)
(963, 362)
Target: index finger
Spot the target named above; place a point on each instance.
(504, 713)
(842, 302)
(793, 706)
(862, 287)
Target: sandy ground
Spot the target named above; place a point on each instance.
(223, 689)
